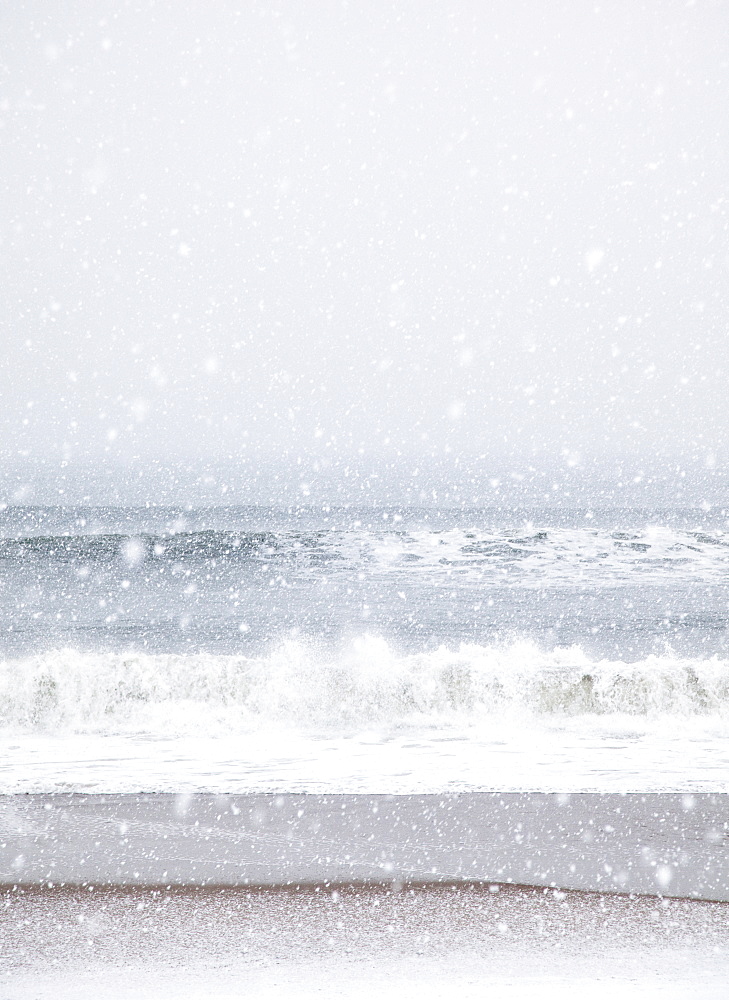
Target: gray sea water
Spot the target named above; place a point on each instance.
(356, 647)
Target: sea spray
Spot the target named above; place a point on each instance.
(363, 683)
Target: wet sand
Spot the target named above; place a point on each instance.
(192, 896)
(437, 941)
(662, 843)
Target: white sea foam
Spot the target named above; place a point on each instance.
(365, 684)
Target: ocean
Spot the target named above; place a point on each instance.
(363, 649)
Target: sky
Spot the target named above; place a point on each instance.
(398, 236)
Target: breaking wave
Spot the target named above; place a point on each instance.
(364, 685)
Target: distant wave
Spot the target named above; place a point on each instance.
(559, 556)
(365, 684)
(136, 548)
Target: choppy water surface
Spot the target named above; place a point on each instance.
(329, 648)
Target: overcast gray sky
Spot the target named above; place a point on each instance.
(397, 229)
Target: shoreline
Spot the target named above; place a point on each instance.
(643, 844)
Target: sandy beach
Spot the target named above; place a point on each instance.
(429, 941)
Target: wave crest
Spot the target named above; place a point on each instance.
(365, 684)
